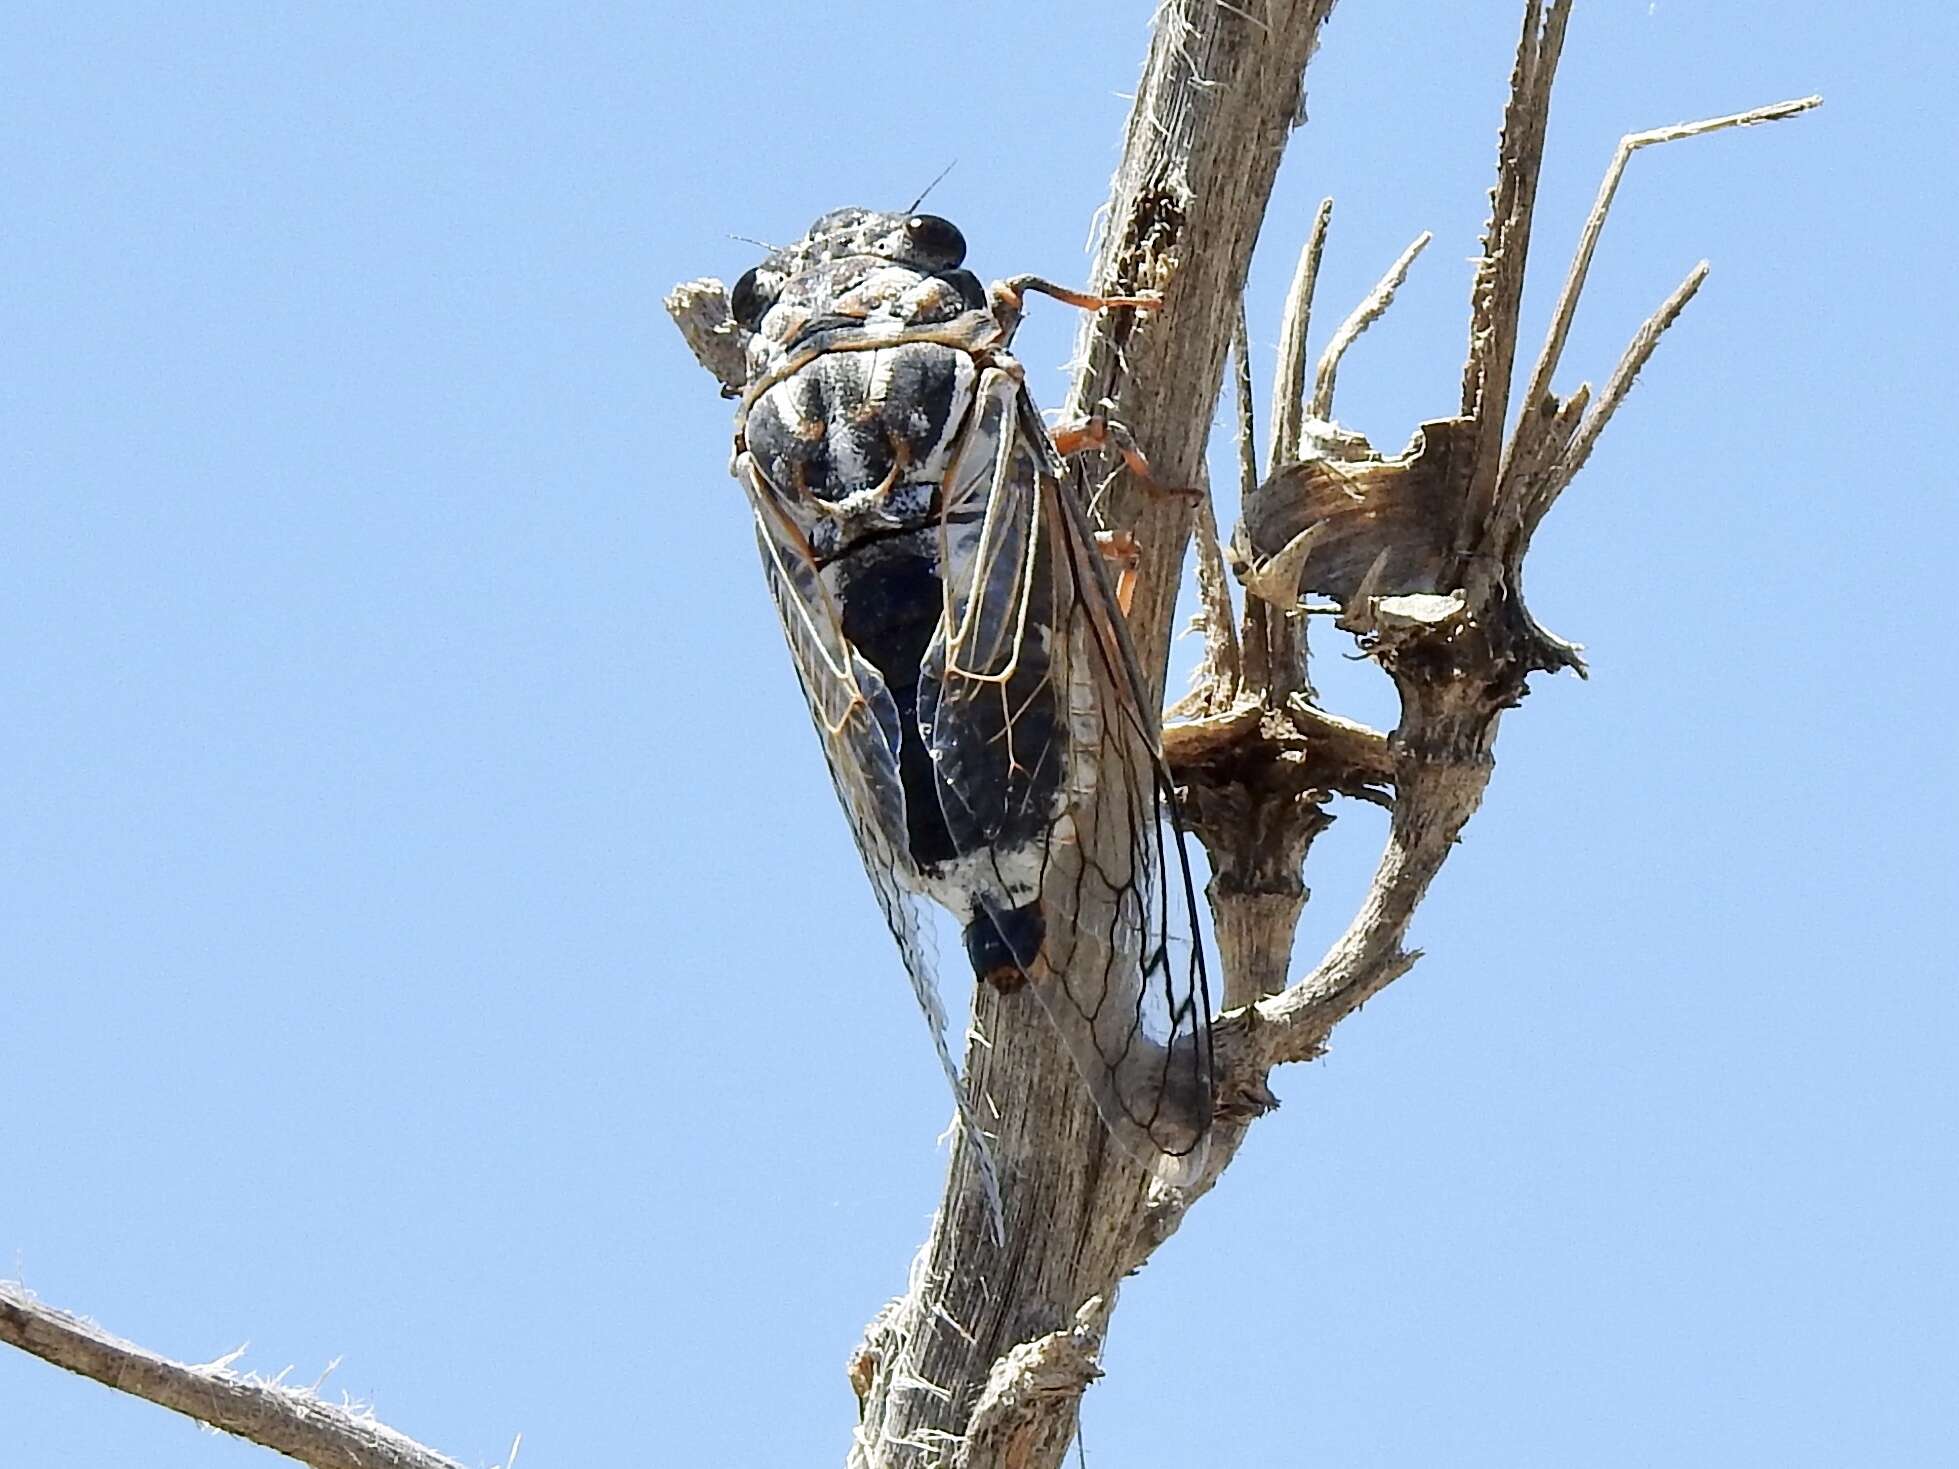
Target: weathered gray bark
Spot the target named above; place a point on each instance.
(1220, 94)
(984, 1359)
(982, 1362)
(292, 1420)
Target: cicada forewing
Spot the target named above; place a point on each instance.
(1049, 759)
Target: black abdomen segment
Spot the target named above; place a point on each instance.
(891, 599)
(890, 595)
(850, 422)
(1002, 946)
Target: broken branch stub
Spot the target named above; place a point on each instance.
(700, 309)
(1423, 551)
(1455, 510)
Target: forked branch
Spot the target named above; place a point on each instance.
(1451, 629)
(1572, 450)
(1581, 260)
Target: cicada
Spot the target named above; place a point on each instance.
(965, 657)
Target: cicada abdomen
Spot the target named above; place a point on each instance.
(964, 660)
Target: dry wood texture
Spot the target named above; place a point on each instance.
(292, 1420)
(982, 1362)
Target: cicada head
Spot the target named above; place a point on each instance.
(924, 243)
(855, 271)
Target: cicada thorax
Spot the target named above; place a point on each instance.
(876, 423)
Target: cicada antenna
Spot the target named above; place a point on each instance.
(913, 206)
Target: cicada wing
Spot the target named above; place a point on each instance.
(989, 703)
(858, 720)
(1133, 959)
(1052, 778)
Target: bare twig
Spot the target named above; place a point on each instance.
(1362, 317)
(1496, 298)
(1289, 380)
(1637, 352)
(1581, 260)
(290, 1420)
(1241, 382)
(1541, 438)
(1214, 685)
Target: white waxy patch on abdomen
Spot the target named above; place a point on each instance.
(1006, 877)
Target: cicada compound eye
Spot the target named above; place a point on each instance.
(752, 297)
(935, 241)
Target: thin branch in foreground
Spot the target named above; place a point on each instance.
(289, 1420)
(1217, 678)
(1496, 297)
(1241, 381)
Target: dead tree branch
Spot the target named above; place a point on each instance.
(1359, 320)
(293, 1421)
(1220, 94)
(1423, 552)
(983, 1361)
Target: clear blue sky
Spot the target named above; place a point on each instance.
(428, 938)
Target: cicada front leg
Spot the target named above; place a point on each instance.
(1008, 299)
(1012, 291)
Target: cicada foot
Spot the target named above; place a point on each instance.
(1002, 945)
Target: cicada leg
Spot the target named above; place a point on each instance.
(1014, 289)
(1009, 299)
(1098, 432)
(1124, 552)
(1119, 547)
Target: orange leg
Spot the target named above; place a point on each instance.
(1015, 288)
(1097, 432)
(1122, 551)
